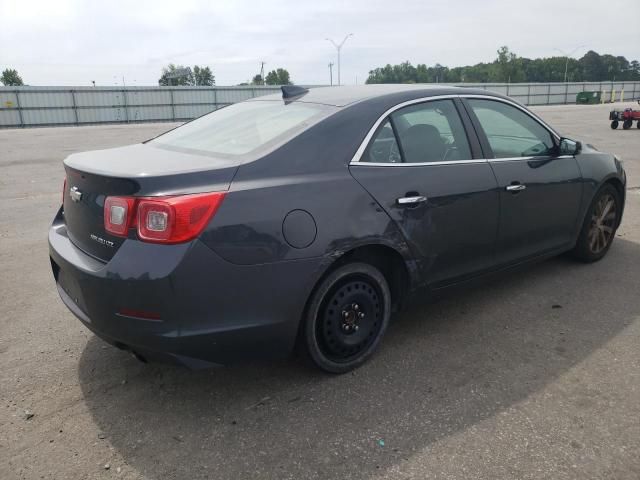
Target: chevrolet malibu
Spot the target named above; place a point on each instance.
(306, 218)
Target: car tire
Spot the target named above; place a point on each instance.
(627, 124)
(346, 318)
(599, 225)
(614, 124)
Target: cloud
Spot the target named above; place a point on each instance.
(71, 42)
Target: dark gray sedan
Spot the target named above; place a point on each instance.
(307, 218)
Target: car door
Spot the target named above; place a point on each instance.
(423, 165)
(540, 190)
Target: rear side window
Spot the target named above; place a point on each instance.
(431, 132)
(244, 129)
(383, 147)
(510, 131)
(422, 133)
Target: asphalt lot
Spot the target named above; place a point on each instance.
(532, 375)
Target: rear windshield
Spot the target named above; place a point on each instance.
(244, 129)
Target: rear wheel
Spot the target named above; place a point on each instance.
(614, 124)
(347, 317)
(638, 124)
(599, 226)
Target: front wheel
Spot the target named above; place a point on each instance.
(347, 316)
(614, 124)
(627, 124)
(599, 226)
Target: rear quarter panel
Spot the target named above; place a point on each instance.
(310, 173)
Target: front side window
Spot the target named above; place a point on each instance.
(510, 131)
(244, 129)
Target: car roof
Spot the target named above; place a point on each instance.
(346, 95)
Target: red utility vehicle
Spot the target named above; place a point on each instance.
(626, 116)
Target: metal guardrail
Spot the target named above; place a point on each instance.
(49, 106)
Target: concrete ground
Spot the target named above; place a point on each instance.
(534, 375)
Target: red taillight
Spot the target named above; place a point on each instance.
(156, 220)
(176, 219)
(118, 212)
(173, 219)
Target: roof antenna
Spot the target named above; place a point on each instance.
(292, 91)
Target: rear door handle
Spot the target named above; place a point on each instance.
(515, 188)
(411, 200)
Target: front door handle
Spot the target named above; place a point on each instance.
(515, 188)
(411, 200)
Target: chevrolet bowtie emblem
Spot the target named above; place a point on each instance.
(75, 194)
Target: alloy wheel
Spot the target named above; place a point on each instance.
(603, 221)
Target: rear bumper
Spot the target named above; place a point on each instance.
(208, 310)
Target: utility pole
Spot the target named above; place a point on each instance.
(566, 63)
(331, 73)
(338, 48)
(262, 72)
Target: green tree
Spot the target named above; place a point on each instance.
(196, 76)
(278, 77)
(508, 67)
(10, 78)
(591, 66)
(203, 76)
(257, 80)
(165, 81)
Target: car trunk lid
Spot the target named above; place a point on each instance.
(138, 170)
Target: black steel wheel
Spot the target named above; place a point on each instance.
(614, 124)
(347, 317)
(627, 124)
(599, 226)
(638, 124)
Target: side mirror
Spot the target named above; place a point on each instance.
(569, 147)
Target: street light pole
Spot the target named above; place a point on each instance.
(566, 63)
(338, 48)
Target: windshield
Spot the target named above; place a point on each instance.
(242, 129)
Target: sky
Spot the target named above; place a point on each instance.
(72, 42)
